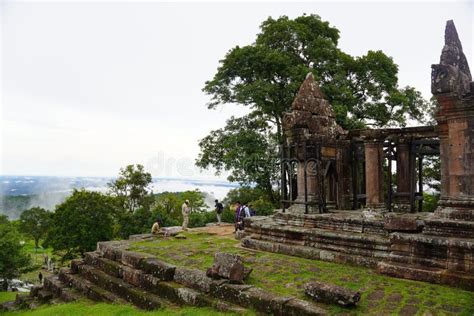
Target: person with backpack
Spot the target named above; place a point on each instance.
(219, 211)
(237, 223)
(242, 212)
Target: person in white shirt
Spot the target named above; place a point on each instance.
(185, 210)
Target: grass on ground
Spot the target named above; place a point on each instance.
(7, 296)
(286, 275)
(86, 308)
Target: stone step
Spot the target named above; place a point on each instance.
(60, 289)
(310, 252)
(427, 274)
(87, 288)
(110, 267)
(303, 236)
(126, 291)
(449, 228)
(169, 290)
(191, 285)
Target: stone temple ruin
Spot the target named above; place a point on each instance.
(337, 205)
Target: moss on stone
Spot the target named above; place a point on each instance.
(286, 275)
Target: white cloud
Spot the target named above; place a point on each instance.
(90, 87)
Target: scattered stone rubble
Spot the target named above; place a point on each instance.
(114, 274)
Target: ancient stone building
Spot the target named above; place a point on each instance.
(340, 204)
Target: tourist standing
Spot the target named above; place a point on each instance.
(186, 209)
(238, 209)
(219, 210)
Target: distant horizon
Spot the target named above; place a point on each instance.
(217, 180)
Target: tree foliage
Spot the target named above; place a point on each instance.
(13, 258)
(130, 188)
(34, 222)
(246, 148)
(266, 75)
(80, 222)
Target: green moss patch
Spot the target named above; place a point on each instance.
(286, 275)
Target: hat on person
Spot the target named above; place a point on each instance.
(187, 201)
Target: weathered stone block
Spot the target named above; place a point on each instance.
(132, 259)
(132, 276)
(75, 264)
(230, 292)
(264, 301)
(160, 269)
(403, 223)
(193, 278)
(227, 266)
(330, 293)
(297, 307)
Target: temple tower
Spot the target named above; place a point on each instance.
(311, 133)
(451, 84)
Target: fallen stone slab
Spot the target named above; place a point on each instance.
(228, 266)
(171, 231)
(330, 293)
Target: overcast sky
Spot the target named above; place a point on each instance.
(90, 87)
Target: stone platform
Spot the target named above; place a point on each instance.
(114, 274)
(418, 246)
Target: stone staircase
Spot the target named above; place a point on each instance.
(413, 246)
(113, 274)
(319, 237)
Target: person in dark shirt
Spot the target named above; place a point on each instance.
(219, 210)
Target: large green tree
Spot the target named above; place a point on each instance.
(245, 148)
(265, 76)
(13, 257)
(78, 223)
(131, 188)
(34, 222)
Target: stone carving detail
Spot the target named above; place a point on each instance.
(312, 111)
(452, 74)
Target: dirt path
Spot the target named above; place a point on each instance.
(219, 230)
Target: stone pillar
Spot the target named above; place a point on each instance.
(374, 175)
(451, 84)
(444, 157)
(403, 177)
(460, 163)
(311, 186)
(344, 174)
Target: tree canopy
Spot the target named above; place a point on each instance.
(13, 257)
(130, 188)
(34, 223)
(265, 77)
(78, 223)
